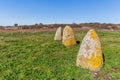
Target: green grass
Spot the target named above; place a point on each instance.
(36, 56)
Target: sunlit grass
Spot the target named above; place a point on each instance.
(32, 56)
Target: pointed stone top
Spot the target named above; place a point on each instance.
(93, 35)
(68, 28)
(91, 30)
(59, 27)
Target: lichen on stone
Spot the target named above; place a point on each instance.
(68, 37)
(90, 52)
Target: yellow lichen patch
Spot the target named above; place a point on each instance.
(69, 42)
(95, 63)
(93, 34)
(68, 36)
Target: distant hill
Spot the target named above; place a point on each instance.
(82, 26)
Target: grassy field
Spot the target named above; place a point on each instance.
(36, 56)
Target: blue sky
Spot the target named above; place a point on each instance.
(58, 11)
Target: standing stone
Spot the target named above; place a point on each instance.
(90, 53)
(58, 35)
(68, 37)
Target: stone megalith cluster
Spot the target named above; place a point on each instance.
(90, 53)
(68, 37)
(58, 34)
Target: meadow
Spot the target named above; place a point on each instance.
(36, 56)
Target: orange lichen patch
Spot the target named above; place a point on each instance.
(93, 34)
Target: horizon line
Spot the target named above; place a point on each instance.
(58, 23)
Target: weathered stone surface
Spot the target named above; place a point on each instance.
(68, 37)
(58, 35)
(90, 53)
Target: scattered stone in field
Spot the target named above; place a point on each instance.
(58, 35)
(68, 37)
(90, 53)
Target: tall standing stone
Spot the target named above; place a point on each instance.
(58, 35)
(68, 37)
(90, 53)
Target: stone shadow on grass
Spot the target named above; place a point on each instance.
(78, 42)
